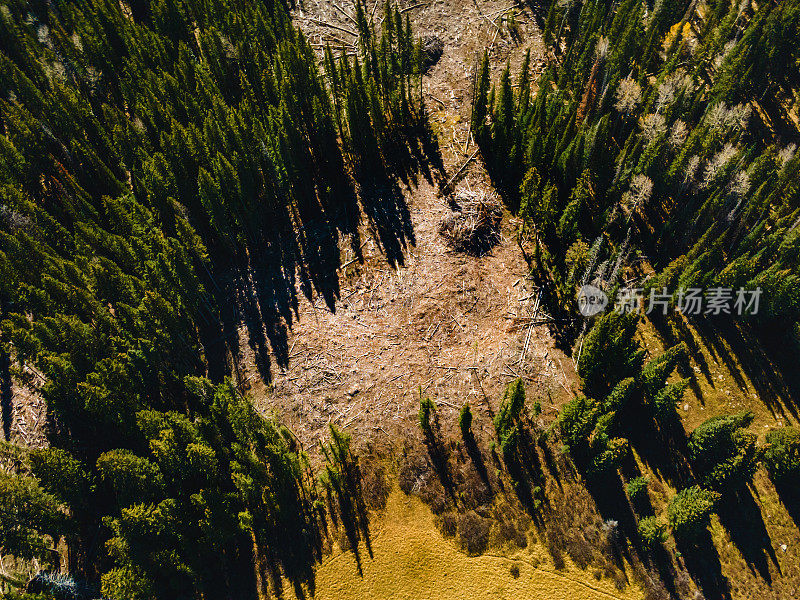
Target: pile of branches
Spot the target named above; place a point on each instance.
(473, 226)
(432, 48)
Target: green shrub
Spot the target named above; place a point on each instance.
(723, 452)
(610, 354)
(689, 511)
(131, 479)
(655, 372)
(31, 521)
(20, 595)
(782, 453)
(62, 475)
(637, 489)
(652, 532)
(608, 454)
(508, 445)
(577, 420)
(506, 422)
(620, 395)
(510, 407)
(666, 400)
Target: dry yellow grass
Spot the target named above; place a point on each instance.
(411, 560)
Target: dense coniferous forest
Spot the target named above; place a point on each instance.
(662, 131)
(152, 152)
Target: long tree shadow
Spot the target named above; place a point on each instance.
(662, 448)
(742, 519)
(612, 503)
(352, 517)
(764, 357)
(702, 562)
(662, 561)
(711, 334)
(388, 215)
(282, 563)
(346, 496)
(6, 396)
(531, 466)
(550, 461)
(522, 485)
(413, 151)
(642, 505)
(780, 121)
(297, 250)
(672, 330)
(474, 452)
(275, 290)
(256, 338)
(220, 325)
(565, 326)
(440, 460)
(789, 493)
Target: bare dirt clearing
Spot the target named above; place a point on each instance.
(451, 325)
(445, 322)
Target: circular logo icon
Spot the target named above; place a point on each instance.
(591, 300)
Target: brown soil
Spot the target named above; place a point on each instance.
(443, 322)
(28, 418)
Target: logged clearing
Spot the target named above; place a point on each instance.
(452, 326)
(428, 293)
(411, 560)
(449, 324)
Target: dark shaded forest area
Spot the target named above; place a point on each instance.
(166, 165)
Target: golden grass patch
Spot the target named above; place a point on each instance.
(411, 560)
